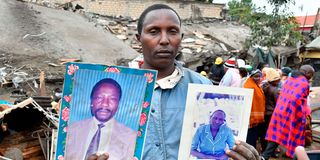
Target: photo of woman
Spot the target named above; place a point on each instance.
(211, 140)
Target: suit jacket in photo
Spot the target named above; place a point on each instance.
(121, 146)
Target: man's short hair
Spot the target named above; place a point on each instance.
(152, 8)
(106, 81)
(219, 110)
(306, 68)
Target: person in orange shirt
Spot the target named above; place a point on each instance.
(258, 107)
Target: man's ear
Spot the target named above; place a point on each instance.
(138, 37)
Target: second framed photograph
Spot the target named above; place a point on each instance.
(214, 118)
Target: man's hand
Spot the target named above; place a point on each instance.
(104, 156)
(242, 151)
(301, 153)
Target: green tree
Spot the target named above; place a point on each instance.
(241, 10)
(278, 28)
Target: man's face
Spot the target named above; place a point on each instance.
(105, 101)
(160, 38)
(309, 75)
(217, 119)
(225, 69)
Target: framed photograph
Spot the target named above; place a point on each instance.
(104, 110)
(214, 118)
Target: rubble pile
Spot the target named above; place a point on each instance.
(197, 45)
(29, 114)
(204, 38)
(26, 76)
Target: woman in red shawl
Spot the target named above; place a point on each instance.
(287, 125)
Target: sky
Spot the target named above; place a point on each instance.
(309, 7)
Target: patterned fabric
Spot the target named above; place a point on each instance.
(258, 103)
(287, 125)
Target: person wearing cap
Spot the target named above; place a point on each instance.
(248, 68)
(232, 77)
(257, 109)
(271, 93)
(217, 71)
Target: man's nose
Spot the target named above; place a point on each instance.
(164, 40)
(105, 101)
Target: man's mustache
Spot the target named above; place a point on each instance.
(102, 109)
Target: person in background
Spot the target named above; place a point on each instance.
(288, 121)
(244, 75)
(271, 93)
(217, 71)
(257, 109)
(262, 65)
(210, 140)
(285, 74)
(232, 77)
(264, 75)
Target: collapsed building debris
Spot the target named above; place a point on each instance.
(197, 46)
(23, 143)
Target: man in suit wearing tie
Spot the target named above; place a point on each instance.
(101, 133)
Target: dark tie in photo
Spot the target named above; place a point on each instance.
(94, 144)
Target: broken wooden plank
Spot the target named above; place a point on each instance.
(42, 84)
(19, 105)
(32, 152)
(66, 60)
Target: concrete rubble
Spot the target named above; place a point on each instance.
(205, 37)
(198, 44)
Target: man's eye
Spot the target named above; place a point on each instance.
(173, 31)
(98, 98)
(113, 99)
(153, 31)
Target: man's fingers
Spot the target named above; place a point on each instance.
(301, 153)
(252, 149)
(93, 157)
(104, 156)
(234, 155)
(244, 151)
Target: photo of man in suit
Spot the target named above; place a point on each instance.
(101, 133)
